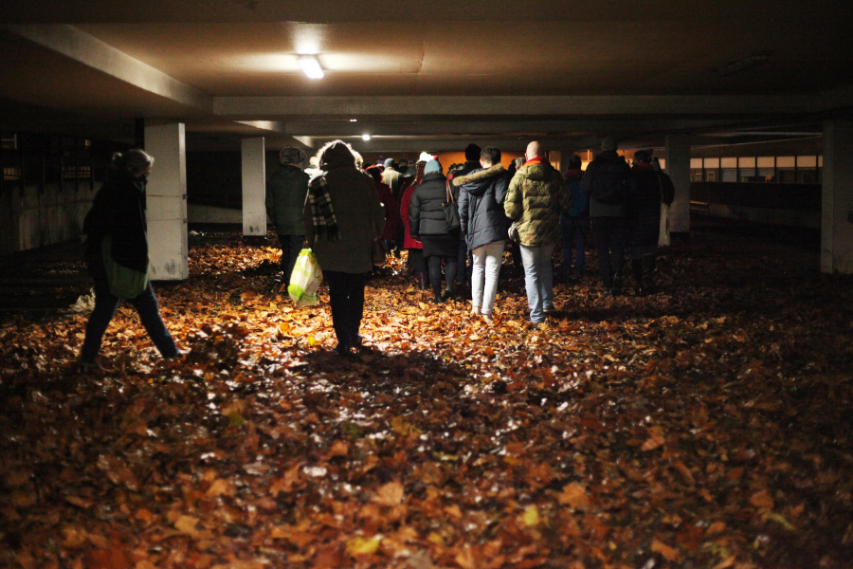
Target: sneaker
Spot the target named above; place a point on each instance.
(487, 318)
(88, 367)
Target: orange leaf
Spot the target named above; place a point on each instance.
(669, 553)
(762, 500)
(574, 495)
(389, 494)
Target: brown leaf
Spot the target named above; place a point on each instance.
(574, 495)
(669, 553)
(389, 494)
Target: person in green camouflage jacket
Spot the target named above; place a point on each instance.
(534, 201)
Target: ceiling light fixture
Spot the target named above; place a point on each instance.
(353, 120)
(365, 137)
(311, 67)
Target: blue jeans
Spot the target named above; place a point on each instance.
(574, 230)
(538, 279)
(105, 308)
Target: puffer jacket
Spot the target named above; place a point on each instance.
(537, 195)
(358, 212)
(426, 210)
(481, 212)
(286, 191)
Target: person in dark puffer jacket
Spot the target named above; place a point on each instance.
(427, 224)
(119, 212)
(644, 221)
(484, 224)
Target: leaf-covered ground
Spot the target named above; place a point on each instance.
(707, 426)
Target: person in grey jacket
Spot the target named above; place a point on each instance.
(484, 224)
(344, 255)
(428, 224)
(286, 190)
(608, 220)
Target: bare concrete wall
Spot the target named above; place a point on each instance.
(40, 217)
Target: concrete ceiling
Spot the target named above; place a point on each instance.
(427, 76)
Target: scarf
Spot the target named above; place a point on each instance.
(322, 213)
(534, 161)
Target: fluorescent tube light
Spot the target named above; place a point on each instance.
(311, 67)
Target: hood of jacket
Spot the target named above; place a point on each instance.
(480, 175)
(338, 155)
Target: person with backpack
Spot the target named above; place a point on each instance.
(609, 183)
(574, 222)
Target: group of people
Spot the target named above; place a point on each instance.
(341, 209)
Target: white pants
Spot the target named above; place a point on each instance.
(487, 266)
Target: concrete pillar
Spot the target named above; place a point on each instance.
(167, 202)
(254, 188)
(836, 252)
(678, 168)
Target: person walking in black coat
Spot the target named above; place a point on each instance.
(118, 213)
(427, 224)
(644, 220)
(484, 224)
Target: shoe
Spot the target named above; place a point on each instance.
(178, 355)
(437, 299)
(342, 349)
(358, 342)
(608, 291)
(449, 295)
(550, 310)
(487, 318)
(89, 367)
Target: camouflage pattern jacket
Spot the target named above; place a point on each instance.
(535, 199)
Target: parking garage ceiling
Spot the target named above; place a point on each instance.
(432, 76)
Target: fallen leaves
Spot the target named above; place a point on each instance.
(690, 427)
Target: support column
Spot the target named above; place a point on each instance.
(836, 252)
(678, 168)
(167, 202)
(254, 188)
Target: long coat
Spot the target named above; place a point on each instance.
(358, 212)
(481, 212)
(644, 208)
(286, 191)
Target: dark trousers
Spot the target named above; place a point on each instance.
(149, 314)
(346, 297)
(291, 245)
(463, 273)
(450, 267)
(609, 235)
(574, 230)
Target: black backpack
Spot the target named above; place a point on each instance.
(612, 185)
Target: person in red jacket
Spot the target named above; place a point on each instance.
(413, 246)
(392, 214)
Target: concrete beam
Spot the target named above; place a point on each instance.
(508, 106)
(339, 129)
(83, 48)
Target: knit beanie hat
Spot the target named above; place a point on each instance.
(389, 162)
(432, 167)
(292, 155)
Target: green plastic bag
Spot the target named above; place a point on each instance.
(305, 279)
(124, 282)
